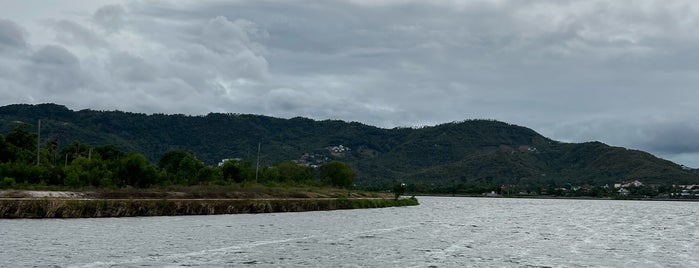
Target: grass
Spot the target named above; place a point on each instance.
(249, 191)
(192, 200)
(89, 208)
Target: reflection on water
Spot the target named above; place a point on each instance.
(441, 232)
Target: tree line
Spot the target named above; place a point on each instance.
(81, 165)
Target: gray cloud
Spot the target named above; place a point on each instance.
(229, 46)
(127, 67)
(11, 36)
(111, 17)
(54, 70)
(72, 33)
(619, 72)
(673, 138)
(55, 56)
(677, 138)
(13, 48)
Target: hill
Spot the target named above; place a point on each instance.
(468, 152)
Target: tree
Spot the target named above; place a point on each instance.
(5, 153)
(292, 172)
(74, 151)
(208, 175)
(181, 167)
(109, 152)
(135, 170)
(337, 174)
(51, 151)
(22, 138)
(170, 161)
(231, 171)
(7, 183)
(188, 170)
(399, 189)
(76, 173)
(21, 144)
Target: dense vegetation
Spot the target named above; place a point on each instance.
(79, 165)
(469, 156)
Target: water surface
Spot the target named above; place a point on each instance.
(441, 232)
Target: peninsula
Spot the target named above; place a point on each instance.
(67, 204)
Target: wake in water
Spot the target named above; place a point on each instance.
(217, 255)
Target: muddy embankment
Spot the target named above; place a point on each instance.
(89, 208)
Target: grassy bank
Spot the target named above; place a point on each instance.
(87, 208)
(237, 191)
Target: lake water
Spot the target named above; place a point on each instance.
(441, 232)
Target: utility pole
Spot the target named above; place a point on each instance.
(38, 143)
(257, 169)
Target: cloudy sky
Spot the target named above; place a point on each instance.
(621, 72)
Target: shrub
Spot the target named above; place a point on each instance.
(7, 183)
(398, 190)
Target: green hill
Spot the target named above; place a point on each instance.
(468, 152)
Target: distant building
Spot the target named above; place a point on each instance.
(635, 183)
(223, 161)
(338, 151)
(623, 191)
(688, 186)
(491, 194)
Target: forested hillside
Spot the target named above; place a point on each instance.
(473, 152)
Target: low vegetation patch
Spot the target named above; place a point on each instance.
(85, 208)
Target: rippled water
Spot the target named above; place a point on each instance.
(441, 232)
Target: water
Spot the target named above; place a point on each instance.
(441, 232)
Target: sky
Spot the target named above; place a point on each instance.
(621, 72)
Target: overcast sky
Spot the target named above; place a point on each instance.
(621, 72)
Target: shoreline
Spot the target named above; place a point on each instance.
(566, 197)
(36, 208)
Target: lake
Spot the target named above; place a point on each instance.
(441, 232)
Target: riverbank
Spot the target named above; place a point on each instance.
(616, 198)
(90, 208)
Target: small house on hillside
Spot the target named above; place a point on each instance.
(635, 183)
(623, 192)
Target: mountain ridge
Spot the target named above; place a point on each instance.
(464, 152)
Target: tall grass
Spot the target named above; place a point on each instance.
(86, 208)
